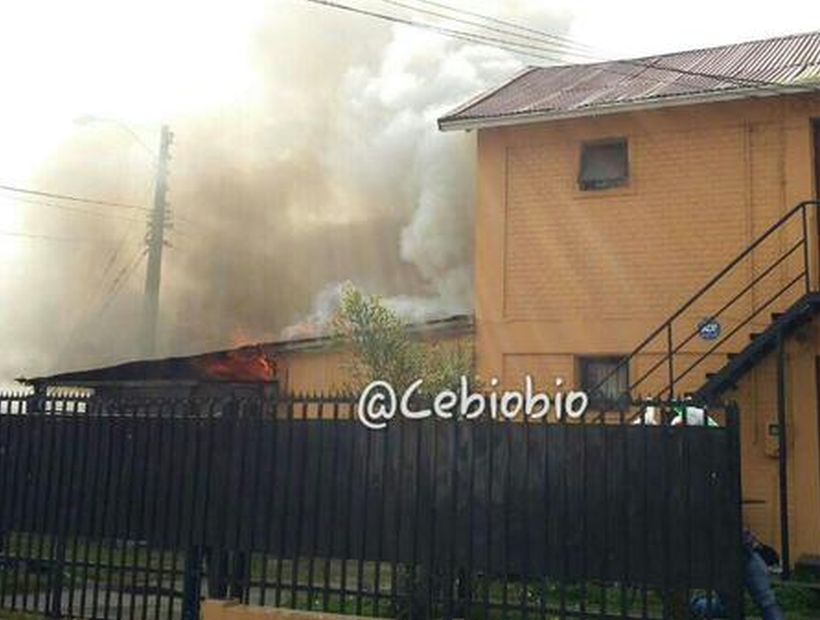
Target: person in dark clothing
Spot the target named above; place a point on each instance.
(757, 559)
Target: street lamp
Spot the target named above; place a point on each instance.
(90, 119)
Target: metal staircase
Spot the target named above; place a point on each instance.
(782, 325)
(761, 296)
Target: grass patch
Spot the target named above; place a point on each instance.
(6, 614)
(116, 565)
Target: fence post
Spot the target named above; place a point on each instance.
(191, 586)
(216, 553)
(35, 401)
(56, 591)
(733, 428)
(676, 602)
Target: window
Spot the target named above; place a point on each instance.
(604, 165)
(610, 370)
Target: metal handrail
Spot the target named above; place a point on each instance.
(723, 308)
(667, 324)
(737, 328)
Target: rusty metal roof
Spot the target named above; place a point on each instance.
(756, 68)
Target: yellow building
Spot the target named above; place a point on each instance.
(611, 194)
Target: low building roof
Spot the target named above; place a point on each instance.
(241, 365)
(247, 364)
(775, 66)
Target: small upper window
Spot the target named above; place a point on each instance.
(604, 165)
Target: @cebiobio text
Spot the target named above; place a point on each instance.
(379, 403)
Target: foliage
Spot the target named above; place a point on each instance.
(798, 599)
(383, 347)
(445, 364)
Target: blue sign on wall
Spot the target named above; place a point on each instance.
(709, 329)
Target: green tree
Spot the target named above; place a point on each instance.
(383, 347)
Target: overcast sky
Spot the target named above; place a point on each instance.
(147, 60)
(635, 27)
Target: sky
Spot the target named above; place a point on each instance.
(150, 60)
(638, 27)
(306, 155)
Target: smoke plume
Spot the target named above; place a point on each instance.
(327, 168)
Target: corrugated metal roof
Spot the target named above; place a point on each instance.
(250, 363)
(770, 66)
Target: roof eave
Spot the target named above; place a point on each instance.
(489, 93)
(505, 120)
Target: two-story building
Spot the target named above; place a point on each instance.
(645, 226)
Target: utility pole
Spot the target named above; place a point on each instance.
(155, 240)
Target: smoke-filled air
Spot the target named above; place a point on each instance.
(306, 155)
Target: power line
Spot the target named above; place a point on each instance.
(541, 33)
(9, 233)
(568, 43)
(455, 34)
(123, 127)
(116, 253)
(542, 45)
(108, 297)
(54, 205)
(97, 298)
(516, 47)
(112, 259)
(584, 50)
(739, 81)
(564, 48)
(69, 197)
(120, 279)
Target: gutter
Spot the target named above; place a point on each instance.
(506, 120)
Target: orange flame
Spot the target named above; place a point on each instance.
(245, 364)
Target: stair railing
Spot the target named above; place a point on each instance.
(671, 349)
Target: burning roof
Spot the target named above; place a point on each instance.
(257, 363)
(242, 365)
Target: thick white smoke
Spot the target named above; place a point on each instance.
(321, 165)
(392, 108)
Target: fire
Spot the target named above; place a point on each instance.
(244, 364)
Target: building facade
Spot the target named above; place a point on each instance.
(610, 194)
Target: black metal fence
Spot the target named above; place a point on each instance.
(121, 509)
